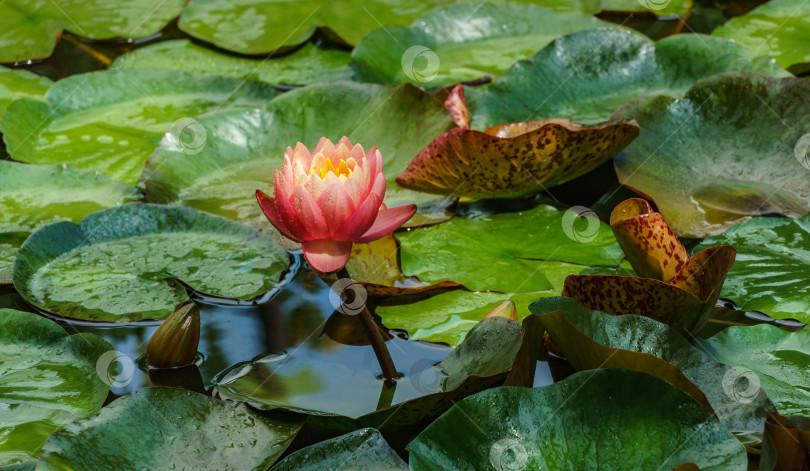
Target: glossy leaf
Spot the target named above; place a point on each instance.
(779, 28)
(111, 121)
(263, 26)
(364, 449)
(30, 30)
(167, 428)
(704, 161)
(585, 76)
(769, 276)
(32, 196)
(47, 379)
(592, 340)
(461, 42)
(306, 65)
(241, 155)
(134, 258)
(555, 427)
(16, 84)
(513, 160)
(768, 358)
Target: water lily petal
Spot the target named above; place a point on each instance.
(360, 221)
(336, 205)
(378, 188)
(308, 212)
(268, 206)
(326, 255)
(388, 220)
(301, 155)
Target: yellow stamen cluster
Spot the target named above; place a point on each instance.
(345, 168)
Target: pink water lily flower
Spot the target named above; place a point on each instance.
(330, 199)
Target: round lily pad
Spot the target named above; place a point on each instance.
(16, 84)
(773, 256)
(127, 263)
(637, 420)
(779, 28)
(32, 196)
(30, 30)
(244, 148)
(47, 379)
(586, 75)
(167, 428)
(364, 449)
(306, 65)
(703, 158)
(110, 121)
(461, 42)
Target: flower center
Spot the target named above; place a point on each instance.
(344, 168)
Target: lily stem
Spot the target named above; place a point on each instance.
(374, 335)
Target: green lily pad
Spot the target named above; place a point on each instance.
(779, 28)
(364, 449)
(133, 259)
(16, 84)
(110, 121)
(440, 48)
(661, 8)
(306, 65)
(30, 30)
(556, 427)
(769, 358)
(773, 255)
(592, 339)
(428, 387)
(263, 26)
(47, 379)
(167, 428)
(32, 196)
(244, 148)
(703, 160)
(586, 75)
(506, 248)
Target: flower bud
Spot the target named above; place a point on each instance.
(175, 342)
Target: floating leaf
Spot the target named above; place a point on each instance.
(240, 155)
(779, 28)
(513, 160)
(30, 30)
(364, 449)
(167, 428)
(586, 75)
(770, 273)
(461, 42)
(428, 387)
(110, 121)
(47, 379)
(768, 358)
(133, 259)
(306, 65)
(263, 26)
(16, 84)
(592, 340)
(32, 196)
(703, 160)
(556, 427)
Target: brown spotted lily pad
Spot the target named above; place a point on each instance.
(682, 297)
(511, 160)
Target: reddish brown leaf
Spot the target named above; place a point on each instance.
(456, 104)
(786, 446)
(703, 274)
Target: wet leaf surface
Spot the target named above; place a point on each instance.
(364, 449)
